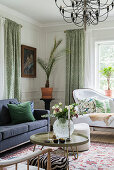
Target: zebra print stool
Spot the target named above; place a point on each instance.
(57, 162)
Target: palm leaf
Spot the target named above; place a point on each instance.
(56, 45)
(43, 64)
(50, 66)
(54, 55)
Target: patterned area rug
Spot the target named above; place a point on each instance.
(99, 157)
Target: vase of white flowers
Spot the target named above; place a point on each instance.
(61, 125)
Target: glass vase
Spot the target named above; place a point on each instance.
(60, 128)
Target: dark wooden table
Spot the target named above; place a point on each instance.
(47, 103)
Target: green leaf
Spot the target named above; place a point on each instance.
(54, 56)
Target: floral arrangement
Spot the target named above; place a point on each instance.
(60, 112)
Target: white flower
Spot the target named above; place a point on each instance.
(57, 106)
(66, 107)
(53, 107)
(71, 107)
(54, 112)
(60, 104)
(60, 110)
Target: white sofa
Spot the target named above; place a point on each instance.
(86, 93)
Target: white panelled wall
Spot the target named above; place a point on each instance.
(42, 38)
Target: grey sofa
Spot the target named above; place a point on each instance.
(14, 135)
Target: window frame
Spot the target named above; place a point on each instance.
(97, 62)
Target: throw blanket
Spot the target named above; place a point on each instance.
(106, 117)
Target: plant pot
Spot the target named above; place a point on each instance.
(46, 93)
(108, 93)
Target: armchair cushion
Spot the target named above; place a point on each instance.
(102, 106)
(86, 105)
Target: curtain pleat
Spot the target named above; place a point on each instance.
(12, 47)
(75, 61)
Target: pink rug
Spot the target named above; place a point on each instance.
(99, 157)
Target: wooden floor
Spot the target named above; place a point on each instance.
(103, 137)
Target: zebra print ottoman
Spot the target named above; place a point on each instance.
(57, 162)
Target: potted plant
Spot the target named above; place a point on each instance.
(107, 72)
(48, 66)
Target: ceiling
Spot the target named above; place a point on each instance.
(42, 11)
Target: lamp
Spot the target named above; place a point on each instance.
(85, 12)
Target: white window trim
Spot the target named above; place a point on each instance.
(97, 75)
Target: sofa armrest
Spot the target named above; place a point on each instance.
(38, 113)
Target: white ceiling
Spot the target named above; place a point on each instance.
(43, 11)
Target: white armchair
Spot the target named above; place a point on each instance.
(86, 93)
(16, 163)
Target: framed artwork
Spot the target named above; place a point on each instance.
(28, 61)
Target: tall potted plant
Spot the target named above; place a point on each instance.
(107, 72)
(48, 66)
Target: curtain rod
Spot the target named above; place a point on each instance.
(10, 19)
(72, 30)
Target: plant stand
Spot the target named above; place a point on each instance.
(47, 103)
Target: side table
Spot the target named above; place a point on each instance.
(47, 103)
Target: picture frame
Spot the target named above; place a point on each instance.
(28, 61)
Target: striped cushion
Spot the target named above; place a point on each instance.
(57, 162)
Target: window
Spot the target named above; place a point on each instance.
(104, 58)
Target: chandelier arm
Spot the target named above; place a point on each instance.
(106, 3)
(79, 4)
(105, 13)
(104, 18)
(80, 21)
(67, 20)
(79, 25)
(66, 4)
(79, 11)
(96, 8)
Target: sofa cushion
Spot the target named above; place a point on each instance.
(0, 136)
(36, 124)
(13, 130)
(31, 104)
(4, 111)
(20, 113)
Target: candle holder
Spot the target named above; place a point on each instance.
(68, 139)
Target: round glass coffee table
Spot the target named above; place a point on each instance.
(46, 139)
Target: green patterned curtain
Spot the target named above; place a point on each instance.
(12, 46)
(75, 43)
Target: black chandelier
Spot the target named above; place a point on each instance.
(84, 12)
